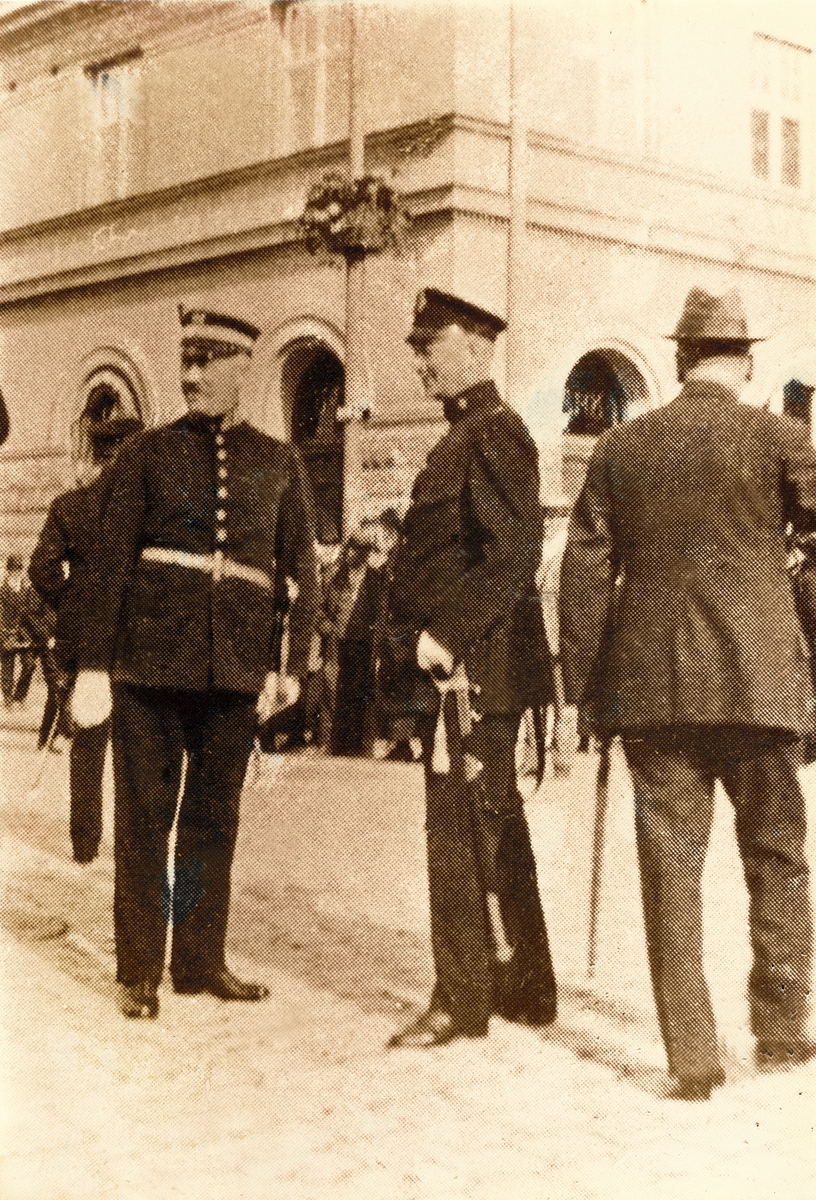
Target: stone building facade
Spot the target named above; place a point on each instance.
(157, 153)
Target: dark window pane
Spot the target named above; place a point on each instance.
(594, 398)
(790, 152)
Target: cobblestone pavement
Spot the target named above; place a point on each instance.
(297, 1097)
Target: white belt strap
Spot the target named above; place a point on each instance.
(219, 566)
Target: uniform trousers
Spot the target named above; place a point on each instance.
(478, 841)
(152, 731)
(674, 771)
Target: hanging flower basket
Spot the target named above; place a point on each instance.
(353, 216)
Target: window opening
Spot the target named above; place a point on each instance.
(594, 397)
(114, 103)
(797, 400)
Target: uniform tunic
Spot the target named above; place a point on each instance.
(465, 572)
(200, 530)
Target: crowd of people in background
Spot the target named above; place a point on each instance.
(341, 710)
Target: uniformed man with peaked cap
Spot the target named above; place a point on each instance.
(465, 606)
(679, 633)
(206, 520)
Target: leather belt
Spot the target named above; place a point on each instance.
(217, 564)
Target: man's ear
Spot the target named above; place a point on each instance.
(481, 348)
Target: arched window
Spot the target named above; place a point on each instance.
(594, 396)
(604, 388)
(106, 392)
(312, 387)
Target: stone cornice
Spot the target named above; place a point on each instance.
(197, 220)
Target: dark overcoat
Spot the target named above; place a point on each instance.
(64, 567)
(465, 568)
(186, 489)
(676, 606)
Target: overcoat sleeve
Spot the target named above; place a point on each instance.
(588, 573)
(109, 567)
(799, 479)
(502, 498)
(46, 569)
(296, 557)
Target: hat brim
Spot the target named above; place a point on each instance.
(746, 341)
(418, 338)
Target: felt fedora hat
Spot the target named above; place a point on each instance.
(708, 318)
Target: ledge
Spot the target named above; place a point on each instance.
(195, 221)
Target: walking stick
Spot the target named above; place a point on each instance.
(601, 805)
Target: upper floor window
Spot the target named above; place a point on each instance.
(316, 50)
(114, 103)
(780, 116)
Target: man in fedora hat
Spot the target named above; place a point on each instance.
(679, 632)
(62, 571)
(464, 604)
(206, 522)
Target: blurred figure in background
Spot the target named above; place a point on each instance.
(17, 641)
(346, 632)
(61, 571)
(4, 420)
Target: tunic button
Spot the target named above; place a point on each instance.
(219, 439)
(222, 472)
(221, 515)
(221, 453)
(221, 535)
(222, 491)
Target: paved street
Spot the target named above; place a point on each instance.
(297, 1097)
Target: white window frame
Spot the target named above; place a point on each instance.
(114, 88)
(319, 11)
(781, 87)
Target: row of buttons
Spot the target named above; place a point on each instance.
(221, 513)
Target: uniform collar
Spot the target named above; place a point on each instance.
(200, 423)
(472, 400)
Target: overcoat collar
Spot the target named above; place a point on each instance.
(705, 392)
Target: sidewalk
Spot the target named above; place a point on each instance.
(297, 1098)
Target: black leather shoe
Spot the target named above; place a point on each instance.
(434, 1028)
(778, 1056)
(224, 985)
(139, 1000)
(697, 1087)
